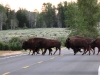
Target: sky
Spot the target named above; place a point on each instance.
(30, 5)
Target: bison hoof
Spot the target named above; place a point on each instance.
(83, 54)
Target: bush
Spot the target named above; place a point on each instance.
(4, 46)
(1, 45)
(15, 44)
(62, 39)
(88, 32)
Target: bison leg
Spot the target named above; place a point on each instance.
(55, 51)
(75, 50)
(50, 51)
(85, 51)
(93, 50)
(33, 52)
(38, 51)
(44, 51)
(59, 51)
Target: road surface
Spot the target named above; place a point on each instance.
(64, 64)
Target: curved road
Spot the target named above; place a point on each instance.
(64, 64)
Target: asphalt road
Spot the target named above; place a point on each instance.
(64, 64)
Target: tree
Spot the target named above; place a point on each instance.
(74, 19)
(7, 25)
(89, 10)
(48, 11)
(22, 19)
(13, 20)
(40, 21)
(32, 18)
(82, 18)
(3, 16)
(62, 7)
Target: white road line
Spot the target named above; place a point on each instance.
(25, 66)
(12, 56)
(6, 73)
(52, 58)
(40, 62)
(62, 55)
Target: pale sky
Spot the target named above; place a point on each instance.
(29, 4)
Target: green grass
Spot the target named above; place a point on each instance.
(50, 33)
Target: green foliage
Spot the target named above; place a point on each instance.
(21, 16)
(40, 21)
(1, 45)
(89, 10)
(15, 44)
(74, 17)
(62, 7)
(48, 13)
(62, 40)
(93, 33)
(98, 17)
(2, 8)
(4, 46)
(82, 18)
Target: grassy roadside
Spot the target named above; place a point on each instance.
(5, 53)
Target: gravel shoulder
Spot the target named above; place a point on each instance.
(5, 53)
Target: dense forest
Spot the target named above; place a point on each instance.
(64, 15)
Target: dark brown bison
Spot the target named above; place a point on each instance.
(89, 40)
(49, 43)
(33, 45)
(76, 44)
(26, 45)
(96, 43)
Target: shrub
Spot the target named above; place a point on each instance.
(91, 32)
(15, 44)
(62, 39)
(1, 45)
(4, 46)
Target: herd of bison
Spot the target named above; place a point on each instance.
(76, 43)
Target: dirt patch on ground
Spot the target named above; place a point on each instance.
(5, 53)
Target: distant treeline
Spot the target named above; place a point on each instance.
(50, 16)
(81, 15)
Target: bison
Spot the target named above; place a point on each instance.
(96, 43)
(76, 44)
(33, 44)
(89, 40)
(49, 43)
(39, 43)
(26, 45)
